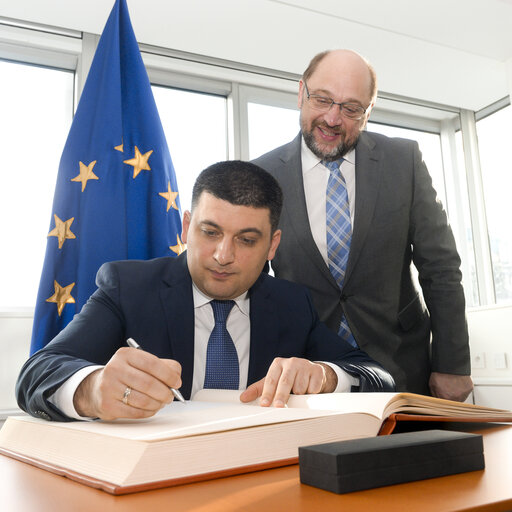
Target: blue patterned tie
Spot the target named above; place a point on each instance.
(222, 370)
(339, 233)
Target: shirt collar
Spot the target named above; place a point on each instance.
(200, 299)
(310, 160)
(350, 157)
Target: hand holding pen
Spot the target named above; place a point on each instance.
(133, 384)
(132, 343)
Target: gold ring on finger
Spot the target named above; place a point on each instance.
(126, 395)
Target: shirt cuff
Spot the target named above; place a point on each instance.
(63, 396)
(345, 380)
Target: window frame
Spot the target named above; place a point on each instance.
(479, 216)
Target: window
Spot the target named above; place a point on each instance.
(195, 127)
(270, 127)
(37, 106)
(493, 140)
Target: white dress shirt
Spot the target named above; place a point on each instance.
(316, 176)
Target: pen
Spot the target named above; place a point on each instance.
(132, 343)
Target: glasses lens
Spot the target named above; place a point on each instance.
(323, 103)
(352, 111)
(320, 102)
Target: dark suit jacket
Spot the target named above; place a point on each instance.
(152, 302)
(397, 220)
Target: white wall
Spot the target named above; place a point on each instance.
(490, 335)
(15, 332)
(490, 332)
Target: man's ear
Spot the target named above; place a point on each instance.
(301, 94)
(185, 226)
(370, 108)
(274, 244)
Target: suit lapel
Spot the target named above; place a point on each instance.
(264, 330)
(295, 205)
(368, 177)
(178, 304)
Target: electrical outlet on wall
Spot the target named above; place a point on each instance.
(478, 360)
(500, 361)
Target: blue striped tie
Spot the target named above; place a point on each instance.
(222, 369)
(339, 233)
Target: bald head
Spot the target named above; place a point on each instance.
(345, 62)
(347, 81)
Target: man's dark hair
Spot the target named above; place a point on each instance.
(242, 184)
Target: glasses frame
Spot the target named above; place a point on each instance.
(341, 105)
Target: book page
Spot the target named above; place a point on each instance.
(420, 404)
(190, 418)
(220, 395)
(370, 403)
(380, 405)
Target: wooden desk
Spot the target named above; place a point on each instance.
(24, 488)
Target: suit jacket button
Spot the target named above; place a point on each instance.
(343, 297)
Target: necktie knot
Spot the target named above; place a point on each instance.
(221, 309)
(333, 166)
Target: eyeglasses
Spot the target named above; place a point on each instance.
(324, 104)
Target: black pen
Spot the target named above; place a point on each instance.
(132, 343)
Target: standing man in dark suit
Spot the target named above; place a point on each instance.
(270, 334)
(357, 261)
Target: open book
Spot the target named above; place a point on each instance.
(214, 435)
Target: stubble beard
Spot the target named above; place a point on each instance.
(335, 153)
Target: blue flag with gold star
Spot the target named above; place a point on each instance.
(116, 195)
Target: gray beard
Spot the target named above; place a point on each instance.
(338, 152)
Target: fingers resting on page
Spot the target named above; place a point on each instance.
(133, 384)
(290, 375)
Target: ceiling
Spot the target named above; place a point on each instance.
(480, 27)
(455, 52)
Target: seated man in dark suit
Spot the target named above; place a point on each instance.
(270, 344)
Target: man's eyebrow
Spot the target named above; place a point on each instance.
(210, 223)
(250, 230)
(241, 232)
(321, 92)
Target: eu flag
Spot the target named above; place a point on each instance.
(116, 195)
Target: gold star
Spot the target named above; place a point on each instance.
(179, 248)
(62, 230)
(62, 296)
(139, 162)
(119, 148)
(170, 196)
(86, 174)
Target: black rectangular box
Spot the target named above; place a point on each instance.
(357, 464)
